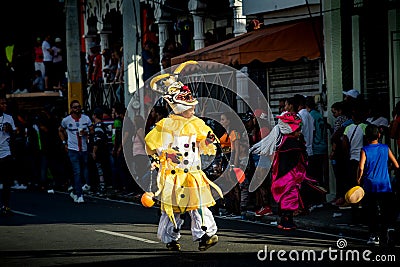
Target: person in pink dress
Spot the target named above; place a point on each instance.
(287, 148)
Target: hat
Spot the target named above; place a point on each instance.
(290, 119)
(352, 93)
(58, 40)
(245, 117)
(354, 195)
(178, 96)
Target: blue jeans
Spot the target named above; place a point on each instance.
(79, 162)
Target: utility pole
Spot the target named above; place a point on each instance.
(73, 51)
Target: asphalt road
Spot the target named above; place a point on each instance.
(52, 230)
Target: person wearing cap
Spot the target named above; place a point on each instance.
(373, 175)
(353, 93)
(175, 144)
(352, 99)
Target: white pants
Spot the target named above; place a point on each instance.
(40, 66)
(166, 228)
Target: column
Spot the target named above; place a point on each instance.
(162, 37)
(239, 21)
(89, 40)
(242, 89)
(196, 8)
(163, 18)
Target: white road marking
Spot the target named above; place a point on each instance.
(23, 213)
(128, 236)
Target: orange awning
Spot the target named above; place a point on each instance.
(289, 42)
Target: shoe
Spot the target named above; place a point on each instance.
(25, 91)
(390, 234)
(174, 246)
(19, 187)
(266, 210)
(287, 226)
(80, 200)
(206, 242)
(18, 91)
(22, 187)
(15, 186)
(70, 188)
(373, 240)
(339, 202)
(86, 187)
(315, 207)
(73, 196)
(50, 191)
(6, 211)
(1, 186)
(345, 206)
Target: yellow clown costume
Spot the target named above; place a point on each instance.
(177, 143)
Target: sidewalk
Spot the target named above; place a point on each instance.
(329, 219)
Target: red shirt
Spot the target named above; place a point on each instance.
(97, 68)
(38, 54)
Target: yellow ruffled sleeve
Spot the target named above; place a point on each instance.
(202, 130)
(157, 138)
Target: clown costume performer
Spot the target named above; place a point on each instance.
(286, 146)
(176, 143)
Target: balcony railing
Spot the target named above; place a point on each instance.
(103, 94)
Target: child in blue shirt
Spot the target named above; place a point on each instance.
(373, 174)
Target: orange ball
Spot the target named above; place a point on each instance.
(240, 176)
(147, 199)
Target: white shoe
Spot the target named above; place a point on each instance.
(80, 200)
(50, 191)
(15, 186)
(22, 187)
(1, 186)
(19, 186)
(86, 187)
(17, 91)
(74, 197)
(373, 240)
(70, 188)
(25, 91)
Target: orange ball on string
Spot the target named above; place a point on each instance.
(147, 199)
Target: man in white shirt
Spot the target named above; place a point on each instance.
(74, 131)
(7, 128)
(47, 61)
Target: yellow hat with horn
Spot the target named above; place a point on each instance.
(178, 95)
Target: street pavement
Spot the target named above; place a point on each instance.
(329, 218)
